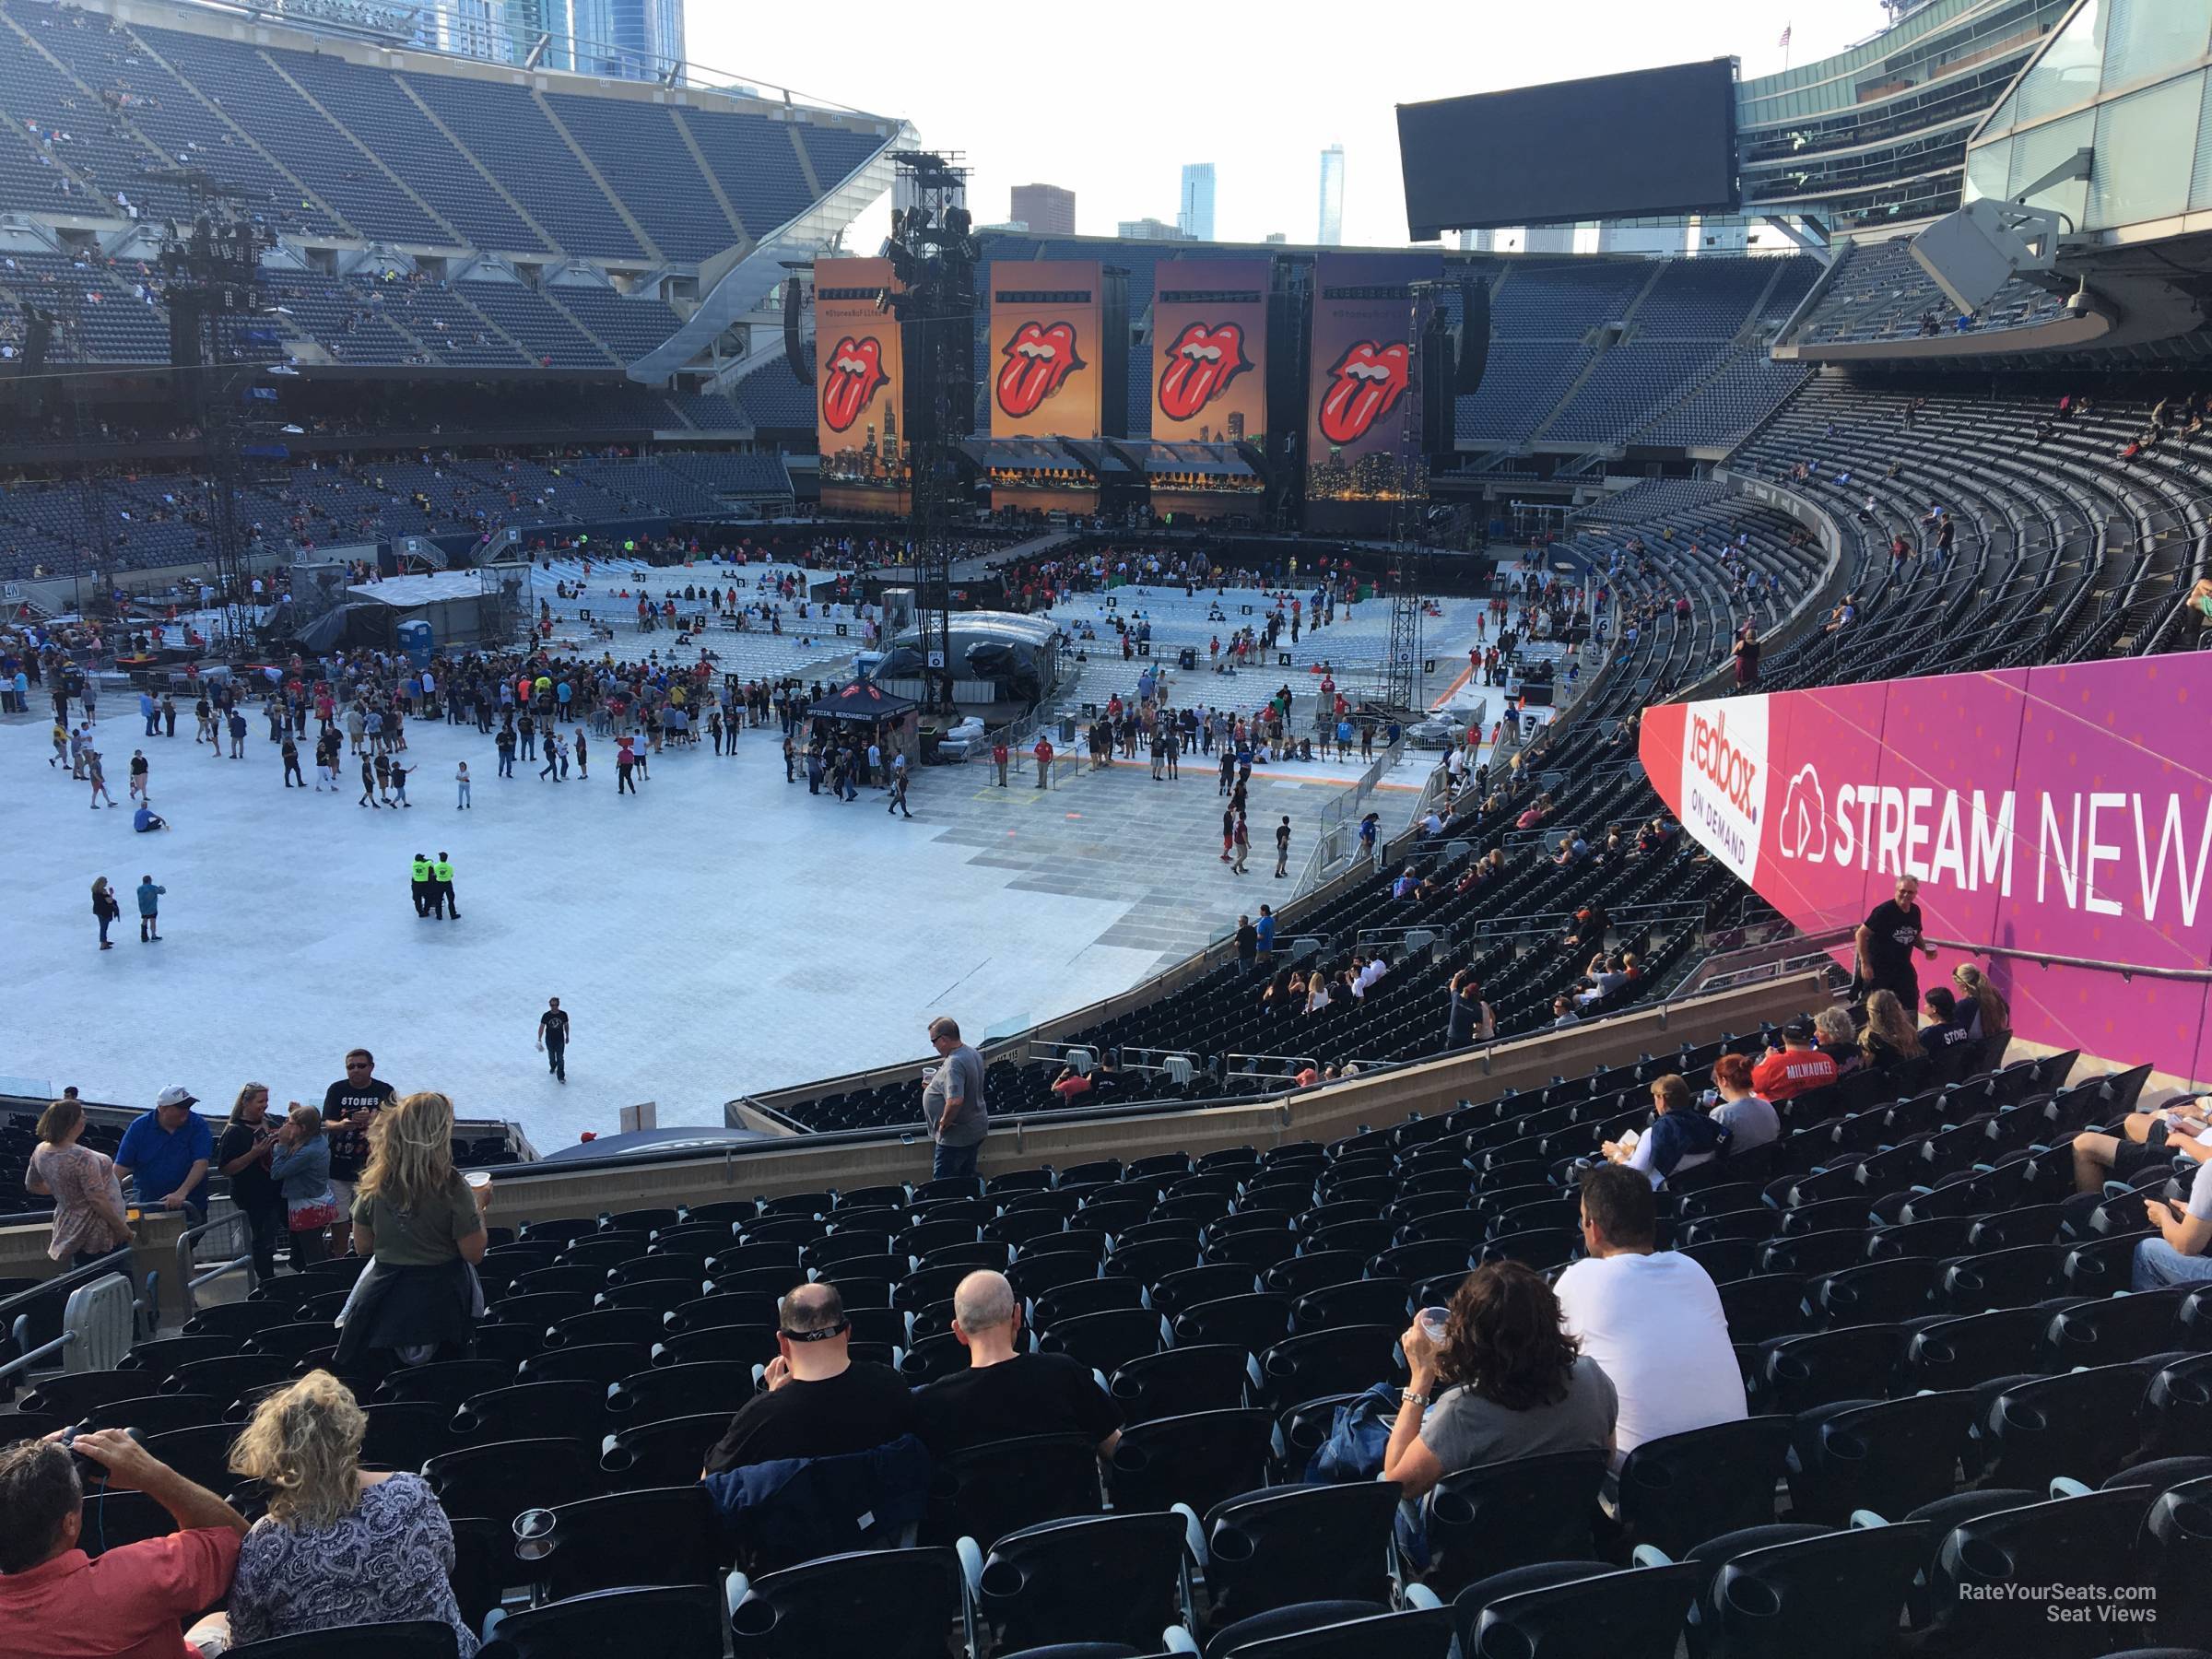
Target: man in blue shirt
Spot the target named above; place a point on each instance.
(1264, 927)
(168, 1150)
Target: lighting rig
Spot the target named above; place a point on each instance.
(934, 253)
(220, 355)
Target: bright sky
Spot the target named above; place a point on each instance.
(1110, 99)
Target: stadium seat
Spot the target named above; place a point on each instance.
(563, 1410)
(1499, 1515)
(499, 1479)
(681, 1622)
(653, 1535)
(1337, 1630)
(1678, 1490)
(1833, 1595)
(986, 1492)
(1985, 1584)
(1197, 1459)
(884, 1603)
(2083, 1424)
(1118, 1577)
(1889, 1456)
(1282, 1545)
(1204, 1377)
(1574, 1609)
(666, 1451)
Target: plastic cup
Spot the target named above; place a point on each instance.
(1433, 1324)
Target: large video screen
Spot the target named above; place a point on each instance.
(859, 383)
(1643, 144)
(1209, 350)
(1360, 388)
(1046, 347)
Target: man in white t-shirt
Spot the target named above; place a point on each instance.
(1651, 1319)
(2182, 1254)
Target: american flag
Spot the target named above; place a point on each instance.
(1785, 33)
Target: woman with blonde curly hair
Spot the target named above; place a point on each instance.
(340, 1546)
(423, 1226)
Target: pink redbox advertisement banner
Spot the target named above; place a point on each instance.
(2066, 810)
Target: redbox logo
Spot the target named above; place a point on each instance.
(1723, 779)
(1734, 770)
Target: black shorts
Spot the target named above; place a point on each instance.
(2129, 1156)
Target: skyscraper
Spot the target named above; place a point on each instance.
(1332, 197)
(1047, 209)
(1195, 215)
(633, 40)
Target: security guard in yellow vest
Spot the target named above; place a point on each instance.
(419, 879)
(442, 887)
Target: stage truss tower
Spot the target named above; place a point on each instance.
(934, 253)
(1403, 668)
(211, 266)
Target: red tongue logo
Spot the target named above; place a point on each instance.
(850, 379)
(1040, 357)
(1368, 381)
(1200, 363)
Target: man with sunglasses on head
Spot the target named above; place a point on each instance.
(820, 1402)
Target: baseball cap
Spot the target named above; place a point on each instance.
(1800, 1025)
(176, 1094)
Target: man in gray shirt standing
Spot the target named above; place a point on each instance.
(952, 1102)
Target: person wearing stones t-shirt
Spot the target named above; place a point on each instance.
(350, 1105)
(553, 1037)
(1886, 942)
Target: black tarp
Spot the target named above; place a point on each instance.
(861, 700)
(367, 623)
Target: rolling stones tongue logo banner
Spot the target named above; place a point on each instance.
(1210, 325)
(1046, 339)
(1365, 384)
(1359, 397)
(851, 375)
(859, 381)
(1039, 356)
(1202, 362)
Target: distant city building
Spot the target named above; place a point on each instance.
(1046, 209)
(1014, 227)
(528, 20)
(1194, 213)
(631, 39)
(1332, 197)
(478, 28)
(1277, 237)
(1149, 230)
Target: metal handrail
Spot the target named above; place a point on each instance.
(76, 1279)
(2049, 958)
(188, 1285)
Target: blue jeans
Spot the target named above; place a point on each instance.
(954, 1161)
(2158, 1265)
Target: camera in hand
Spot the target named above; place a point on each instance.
(90, 1468)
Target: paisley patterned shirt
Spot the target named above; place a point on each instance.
(387, 1561)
